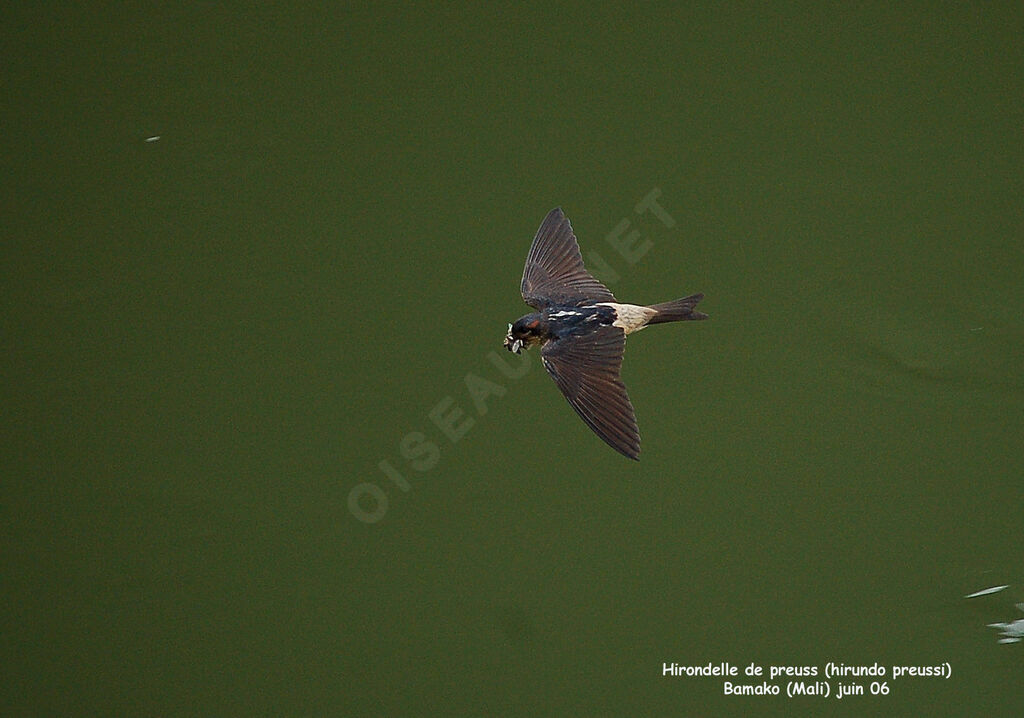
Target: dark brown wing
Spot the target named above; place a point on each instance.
(554, 272)
(586, 369)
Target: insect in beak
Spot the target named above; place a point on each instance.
(511, 343)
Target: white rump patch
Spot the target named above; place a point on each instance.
(630, 317)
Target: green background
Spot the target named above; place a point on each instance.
(210, 339)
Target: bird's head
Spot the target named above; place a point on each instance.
(524, 332)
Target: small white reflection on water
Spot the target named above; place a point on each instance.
(1012, 632)
(987, 591)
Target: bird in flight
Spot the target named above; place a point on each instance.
(582, 330)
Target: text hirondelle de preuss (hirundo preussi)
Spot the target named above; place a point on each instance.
(831, 679)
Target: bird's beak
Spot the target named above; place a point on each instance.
(511, 343)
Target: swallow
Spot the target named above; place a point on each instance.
(581, 329)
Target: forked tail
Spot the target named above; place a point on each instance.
(678, 310)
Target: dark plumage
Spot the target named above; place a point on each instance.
(582, 331)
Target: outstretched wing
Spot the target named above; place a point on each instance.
(586, 369)
(554, 272)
